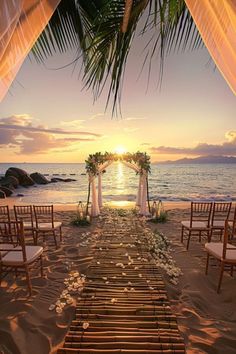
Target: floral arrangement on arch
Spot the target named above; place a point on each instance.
(94, 161)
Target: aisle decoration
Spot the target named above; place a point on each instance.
(97, 163)
(158, 213)
(82, 216)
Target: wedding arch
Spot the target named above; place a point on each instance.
(98, 162)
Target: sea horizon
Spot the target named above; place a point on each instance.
(171, 182)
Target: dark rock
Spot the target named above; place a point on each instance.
(69, 180)
(20, 195)
(8, 192)
(39, 178)
(22, 176)
(83, 174)
(9, 182)
(2, 195)
(57, 179)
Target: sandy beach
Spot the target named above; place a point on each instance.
(207, 321)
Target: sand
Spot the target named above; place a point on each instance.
(206, 320)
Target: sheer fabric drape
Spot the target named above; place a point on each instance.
(21, 22)
(216, 22)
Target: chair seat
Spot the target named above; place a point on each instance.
(46, 226)
(218, 224)
(15, 258)
(5, 247)
(195, 225)
(216, 250)
(28, 225)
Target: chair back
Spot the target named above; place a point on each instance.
(12, 233)
(226, 245)
(233, 230)
(43, 214)
(4, 213)
(24, 213)
(201, 211)
(221, 211)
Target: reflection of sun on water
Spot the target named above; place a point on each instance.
(120, 173)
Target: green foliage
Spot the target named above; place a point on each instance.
(141, 159)
(162, 218)
(77, 221)
(93, 29)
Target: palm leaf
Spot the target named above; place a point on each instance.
(94, 29)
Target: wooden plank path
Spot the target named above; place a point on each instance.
(124, 304)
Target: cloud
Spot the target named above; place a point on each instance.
(135, 118)
(18, 132)
(130, 130)
(202, 149)
(73, 123)
(145, 144)
(97, 115)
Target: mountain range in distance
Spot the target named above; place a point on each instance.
(202, 160)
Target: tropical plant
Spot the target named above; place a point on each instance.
(102, 32)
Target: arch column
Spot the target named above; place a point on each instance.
(100, 189)
(143, 201)
(95, 211)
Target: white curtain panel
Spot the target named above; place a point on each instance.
(95, 211)
(138, 200)
(216, 22)
(143, 201)
(100, 190)
(21, 22)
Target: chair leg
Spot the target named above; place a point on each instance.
(41, 266)
(55, 238)
(28, 280)
(182, 235)
(0, 274)
(232, 270)
(200, 236)
(221, 276)
(60, 234)
(188, 241)
(207, 263)
(208, 236)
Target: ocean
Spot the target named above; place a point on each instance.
(170, 182)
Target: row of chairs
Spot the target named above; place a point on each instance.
(15, 254)
(208, 219)
(37, 220)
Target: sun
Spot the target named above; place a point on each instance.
(120, 150)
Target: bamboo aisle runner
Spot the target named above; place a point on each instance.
(124, 306)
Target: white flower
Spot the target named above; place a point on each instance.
(58, 310)
(52, 307)
(114, 300)
(85, 325)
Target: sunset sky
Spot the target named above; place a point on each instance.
(46, 117)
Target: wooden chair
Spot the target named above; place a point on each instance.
(232, 225)
(220, 213)
(199, 223)
(45, 224)
(224, 252)
(25, 213)
(4, 213)
(15, 255)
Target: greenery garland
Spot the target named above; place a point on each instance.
(141, 159)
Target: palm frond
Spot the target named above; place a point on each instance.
(102, 31)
